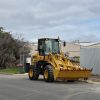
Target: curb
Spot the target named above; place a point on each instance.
(90, 82)
(93, 82)
(6, 73)
(12, 74)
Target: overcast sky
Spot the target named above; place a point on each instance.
(68, 19)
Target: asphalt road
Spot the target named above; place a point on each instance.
(19, 87)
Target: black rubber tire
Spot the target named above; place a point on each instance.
(35, 75)
(50, 77)
(36, 72)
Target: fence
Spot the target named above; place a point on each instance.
(90, 58)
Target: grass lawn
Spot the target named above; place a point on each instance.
(11, 70)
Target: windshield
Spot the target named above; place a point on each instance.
(52, 46)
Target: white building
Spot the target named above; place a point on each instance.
(72, 49)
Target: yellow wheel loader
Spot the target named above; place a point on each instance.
(54, 65)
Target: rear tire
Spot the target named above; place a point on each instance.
(48, 74)
(33, 73)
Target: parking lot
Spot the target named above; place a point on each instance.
(19, 87)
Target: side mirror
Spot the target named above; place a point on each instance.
(64, 43)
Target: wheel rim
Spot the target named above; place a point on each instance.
(31, 73)
(45, 74)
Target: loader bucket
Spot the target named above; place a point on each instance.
(72, 74)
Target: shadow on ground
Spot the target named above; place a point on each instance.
(58, 81)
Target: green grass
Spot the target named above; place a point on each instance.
(10, 71)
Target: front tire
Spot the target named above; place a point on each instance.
(48, 73)
(33, 73)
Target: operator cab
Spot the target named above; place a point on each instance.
(47, 45)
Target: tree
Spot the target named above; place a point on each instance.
(9, 49)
